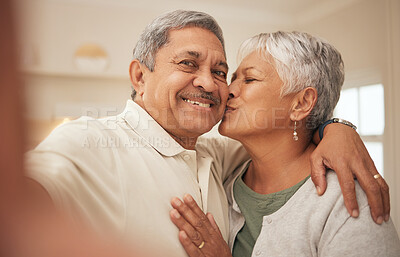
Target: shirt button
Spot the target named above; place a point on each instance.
(186, 157)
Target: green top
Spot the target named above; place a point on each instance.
(254, 207)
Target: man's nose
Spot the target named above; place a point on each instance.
(205, 80)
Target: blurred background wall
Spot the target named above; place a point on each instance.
(75, 56)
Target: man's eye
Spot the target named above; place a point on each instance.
(188, 63)
(220, 73)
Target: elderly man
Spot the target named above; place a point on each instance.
(119, 173)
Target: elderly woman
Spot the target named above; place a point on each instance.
(287, 84)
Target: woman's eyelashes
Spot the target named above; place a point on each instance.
(246, 79)
(249, 80)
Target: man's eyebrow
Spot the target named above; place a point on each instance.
(189, 53)
(224, 64)
(194, 54)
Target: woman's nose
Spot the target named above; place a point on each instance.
(233, 90)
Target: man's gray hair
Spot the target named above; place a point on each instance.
(302, 61)
(155, 35)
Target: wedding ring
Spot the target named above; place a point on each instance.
(377, 176)
(201, 245)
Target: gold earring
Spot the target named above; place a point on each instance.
(295, 137)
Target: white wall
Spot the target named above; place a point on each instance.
(392, 152)
(52, 30)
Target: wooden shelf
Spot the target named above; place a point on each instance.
(72, 74)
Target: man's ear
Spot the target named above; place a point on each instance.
(136, 72)
(303, 103)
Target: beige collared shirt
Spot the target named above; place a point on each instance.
(120, 173)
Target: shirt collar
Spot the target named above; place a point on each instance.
(149, 130)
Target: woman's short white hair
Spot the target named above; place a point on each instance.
(302, 61)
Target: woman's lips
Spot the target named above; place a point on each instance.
(229, 109)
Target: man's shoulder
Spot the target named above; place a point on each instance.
(226, 153)
(217, 145)
(85, 143)
(217, 141)
(85, 135)
(211, 141)
(86, 124)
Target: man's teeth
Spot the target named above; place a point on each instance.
(197, 103)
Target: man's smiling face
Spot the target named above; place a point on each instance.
(187, 91)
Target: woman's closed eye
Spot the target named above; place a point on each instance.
(249, 80)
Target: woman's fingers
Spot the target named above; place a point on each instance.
(192, 213)
(214, 224)
(191, 249)
(185, 226)
(187, 216)
(199, 234)
(200, 220)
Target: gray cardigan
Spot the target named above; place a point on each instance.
(312, 225)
